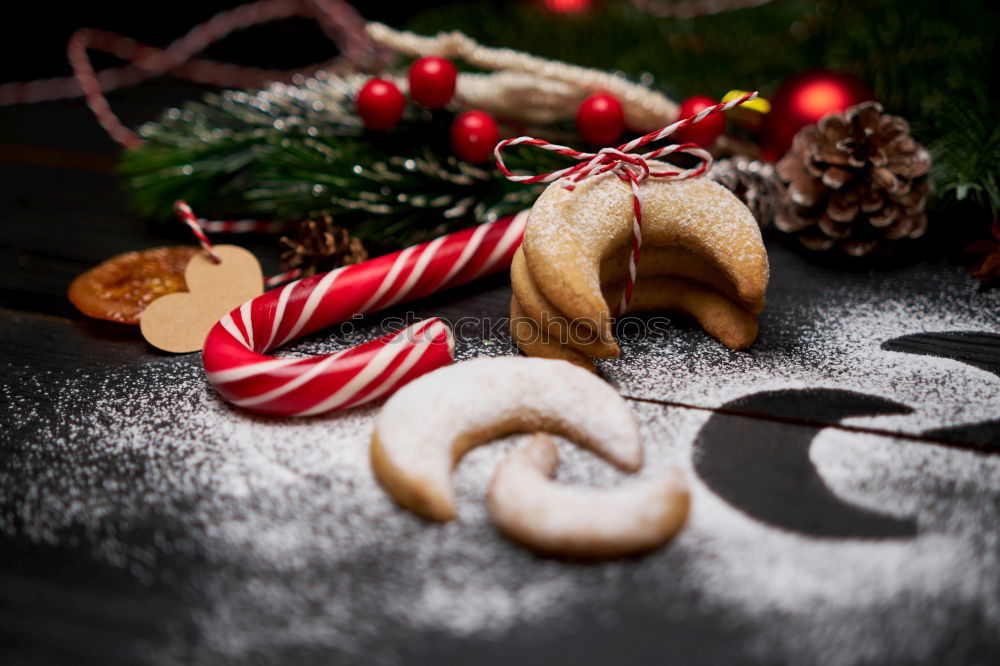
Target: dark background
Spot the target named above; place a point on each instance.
(33, 37)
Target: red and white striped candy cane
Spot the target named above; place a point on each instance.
(234, 351)
(631, 168)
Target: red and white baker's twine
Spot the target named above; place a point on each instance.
(234, 351)
(199, 227)
(186, 215)
(631, 168)
(338, 19)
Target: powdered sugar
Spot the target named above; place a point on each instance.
(847, 600)
(832, 339)
(277, 536)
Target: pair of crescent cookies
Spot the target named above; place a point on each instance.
(701, 254)
(428, 425)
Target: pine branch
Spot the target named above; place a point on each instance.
(748, 48)
(207, 151)
(293, 152)
(392, 194)
(914, 54)
(967, 152)
(905, 48)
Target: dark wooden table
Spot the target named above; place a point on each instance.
(845, 475)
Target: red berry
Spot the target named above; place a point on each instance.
(380, 104)
(707, 130)
(432, 82)
(474, 135)
(600, 120)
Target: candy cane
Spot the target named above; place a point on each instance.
(234, 351)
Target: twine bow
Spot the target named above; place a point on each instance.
(633, 168)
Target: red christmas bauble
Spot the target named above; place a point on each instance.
(380, 104)
(804, 99)
(474, 135)
(707, 130)
(432, 82)
(569, 6)
(600, 120)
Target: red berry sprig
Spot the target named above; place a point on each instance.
(432, 85)
(704, 132)
(432, 82)
(473, 136)
(380, 104)
(600, 120)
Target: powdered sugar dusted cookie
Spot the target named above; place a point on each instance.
(559, 519)
(426, 427)
(569, 233)
(677, 261)
(577, 244)
(551, 330)
(530, 340)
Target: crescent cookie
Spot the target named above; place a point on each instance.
(702, 254)
(539, 329)
(680, 262)
(562, 520)
(529, 340)
(428, 425)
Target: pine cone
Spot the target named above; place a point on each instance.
(754, 182)
(319, 246)
(856, 180)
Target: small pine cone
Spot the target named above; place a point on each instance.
(320, 245)
(755, 183)
(856, 180)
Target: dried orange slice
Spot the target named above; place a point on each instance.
(120, 288)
